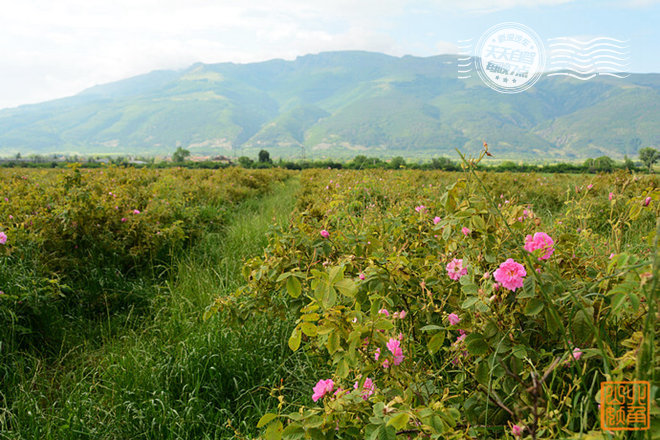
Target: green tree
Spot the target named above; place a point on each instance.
(604, 164)
(245, 162)
(180, 155)
(649, 156)
(442, 163)
(397, 162)
(627, 163)
(264, 157)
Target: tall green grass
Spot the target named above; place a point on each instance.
(168, 374)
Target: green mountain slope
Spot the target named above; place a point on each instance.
(339, 104)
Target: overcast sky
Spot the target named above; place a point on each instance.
(56, 48)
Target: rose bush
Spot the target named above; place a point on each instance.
(70, 237)
(467, 356)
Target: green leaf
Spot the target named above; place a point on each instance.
(386, 433)
(483, 373)
(436, 424)
(470, 289)
(399, 421)
(450, 416)
(274, 431)
(533, 307)
(329, 297)
(581, 329)
(529, 288)
(478, 223)
(436, 342)
(336, 274)
(294, 340)
(428, 328)
(293, 431)
(333, 342)
(490, 329)
(383, 324)
(313, 422)
(293, 287)
(551, 322)
(266, 419)
(310, 317)
(476, 344)
(315, 434)
(309, 329)
(346, 287)
(283, 277)
(469, 302)
(519, 351)
(446, 233)
(342, 368)
(634, 300)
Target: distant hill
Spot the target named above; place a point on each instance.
(339, 104)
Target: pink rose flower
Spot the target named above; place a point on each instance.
(325, 234)
(420, 208)
(361, 276)
(611, 196)
(135, 211)
(322, 388)
(453, 319)
(466, 231)
(540, 241)
(590, 186)
(577, 353)
(377, 354)
(367, 389)
(455, 269)
(384, 312)
(394, 346)
(516, 430)
(510, 274)
(647, 201)
(3, 238)
(436, 220)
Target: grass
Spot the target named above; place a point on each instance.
(168, 374)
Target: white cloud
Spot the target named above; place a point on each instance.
(50, 49)
(56, 48)
(446, 47)
(639, 3)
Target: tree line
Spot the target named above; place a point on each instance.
(604, 164)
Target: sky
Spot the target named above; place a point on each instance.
(51, 49)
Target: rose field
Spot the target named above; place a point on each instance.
(323, 304)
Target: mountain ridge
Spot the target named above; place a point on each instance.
(339, 104)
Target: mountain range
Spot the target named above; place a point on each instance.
(341, 104)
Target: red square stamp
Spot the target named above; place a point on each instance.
(625, 406)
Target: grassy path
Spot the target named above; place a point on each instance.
(174, 376)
